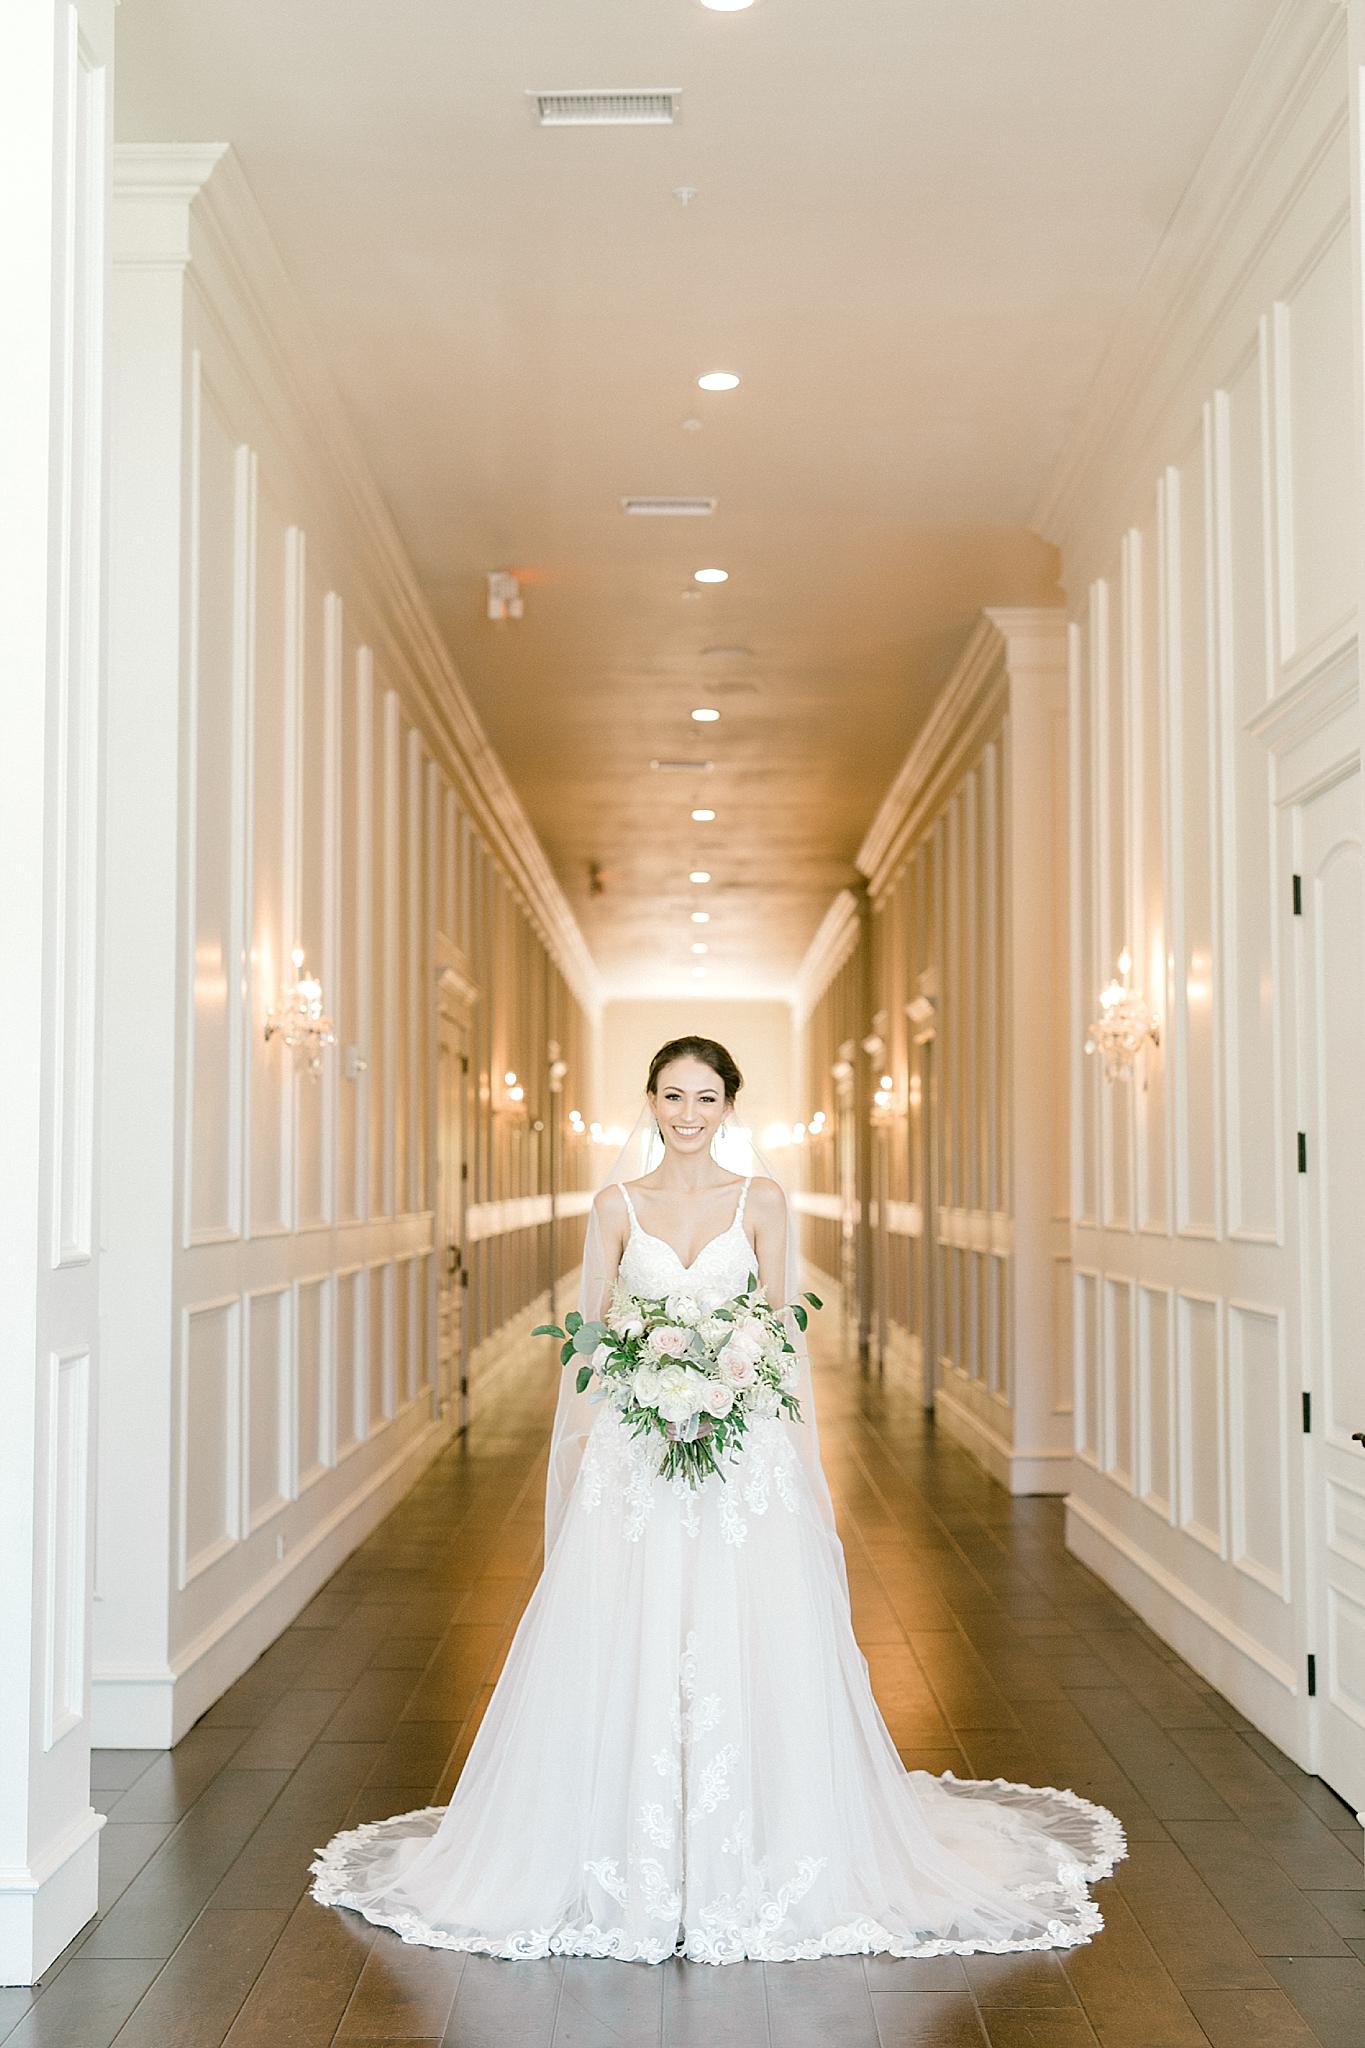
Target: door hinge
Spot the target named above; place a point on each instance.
(464, 1382)
(1303, 1151)
(1307, 1414)
(464, 1062)
(1312, 1677)
(1298, 895)
(464, 1169)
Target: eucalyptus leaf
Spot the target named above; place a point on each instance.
(584, 1375)
(566, 1353)
(547, 1330)
(814, 1301)
(801, 1316)
(572, 1320)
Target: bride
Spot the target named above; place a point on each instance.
(683, 1755)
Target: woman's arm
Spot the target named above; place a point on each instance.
(768, 1209)
(609, 1219)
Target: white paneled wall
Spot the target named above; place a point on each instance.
(1210, 528)
(291, 765)
(952, 991)
(54, 114)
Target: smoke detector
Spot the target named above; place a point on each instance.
(651, 106)
(669, 508)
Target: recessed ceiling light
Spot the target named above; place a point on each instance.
(700, 946)
(711, 576)
(701, 917)
(727, 6)
(698, 974)
(704, 715)
(718, 380)
(702, 817)
(699, 875)
(691, 426)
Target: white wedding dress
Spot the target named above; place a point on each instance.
(683, 1755)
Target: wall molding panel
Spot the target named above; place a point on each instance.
(332, 791)
(1209, 518)
(949, 979)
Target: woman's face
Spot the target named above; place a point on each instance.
(689, 1105)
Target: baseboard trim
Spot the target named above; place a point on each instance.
(1259, 1684)
(1018, 1471)
(45, 1905)
(152, 1709)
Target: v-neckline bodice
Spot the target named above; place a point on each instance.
(689, 1265)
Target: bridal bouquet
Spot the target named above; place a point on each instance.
(695, 1377)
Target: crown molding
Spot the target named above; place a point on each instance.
(191, 208)
(834, 941)
(1201, 260)
(1008, 643)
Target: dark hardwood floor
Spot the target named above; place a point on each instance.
(1239, 1920)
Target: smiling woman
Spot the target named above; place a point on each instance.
(683, 1756)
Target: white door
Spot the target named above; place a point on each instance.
(1332, 1085)
(452, 1089)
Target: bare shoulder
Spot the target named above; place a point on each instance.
(767, 1200)
(609, 1206)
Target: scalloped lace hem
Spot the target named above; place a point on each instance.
(333, 1876)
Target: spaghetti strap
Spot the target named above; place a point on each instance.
(630, 1206)
(743, 1198)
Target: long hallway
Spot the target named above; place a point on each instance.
(1238, 1919)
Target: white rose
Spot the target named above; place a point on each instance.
(717, 1330)
(645, 1386)
(736, 1368)
(682, 1308)
(763, 1402)
(602, 1357)
(787, 1371)
(669, 1340)
(719, 1399)
(680, 1393)
(739, 1357)
(625, 1320)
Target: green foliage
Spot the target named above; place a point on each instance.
(584, 1375)
(547, 1330)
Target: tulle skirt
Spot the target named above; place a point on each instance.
(683, 1756)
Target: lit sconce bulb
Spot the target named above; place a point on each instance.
(699, 875)
(296, 955)
(703, 817)
(1125, 963)
(517, 1094)
(887, 1081)
(701, 917)
(700, 946)
(510, 1079)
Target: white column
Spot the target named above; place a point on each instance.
(54, 154)
(149, 628)
(1034, 1041)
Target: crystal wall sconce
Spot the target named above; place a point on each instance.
(299, 1018)
(1124, 1024)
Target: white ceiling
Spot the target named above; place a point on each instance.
(916, 225)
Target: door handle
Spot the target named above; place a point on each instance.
(452, 1258)
(1358, 1437)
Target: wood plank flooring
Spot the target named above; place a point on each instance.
(1239, 1920)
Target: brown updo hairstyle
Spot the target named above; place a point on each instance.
(709, 1052)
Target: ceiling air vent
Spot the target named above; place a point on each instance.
(651, 106)
(669, 508)
(682, 767)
